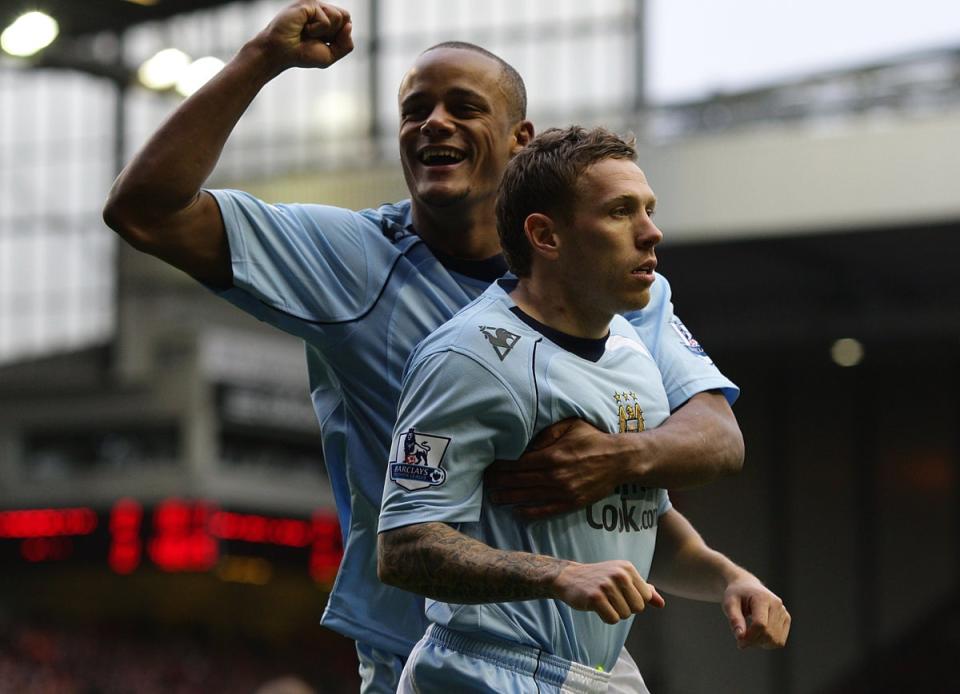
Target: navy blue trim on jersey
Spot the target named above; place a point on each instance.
(363, 315)
(536, 386)
(488, 269)
(588, 348)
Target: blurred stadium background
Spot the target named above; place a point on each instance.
(165, 519)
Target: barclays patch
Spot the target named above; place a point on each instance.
(418, 460)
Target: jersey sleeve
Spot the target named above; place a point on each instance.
(684, 365)
(455, 418)
(663, 502)
(310, 262)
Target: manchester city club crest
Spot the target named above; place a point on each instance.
(628, 411)
(417, 461)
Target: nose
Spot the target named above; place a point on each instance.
(648, 234)
(437, 123)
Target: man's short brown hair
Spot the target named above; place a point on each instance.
(542, 178)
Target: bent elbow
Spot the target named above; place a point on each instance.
(386, 572)
(734, 466)
(733, 463)
(116, 218)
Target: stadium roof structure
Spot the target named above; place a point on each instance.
(80, 23)
(81, 19)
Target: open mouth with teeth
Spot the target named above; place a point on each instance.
(440, 156)
(643, 271)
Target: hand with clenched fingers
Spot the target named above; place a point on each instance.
(308, 34)
(757, 616)
(613, 589)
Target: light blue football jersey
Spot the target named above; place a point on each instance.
(362, 290)
(479, 389)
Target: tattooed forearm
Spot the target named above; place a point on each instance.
(435, 560)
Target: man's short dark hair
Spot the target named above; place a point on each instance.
(513, 82)
(542, 178)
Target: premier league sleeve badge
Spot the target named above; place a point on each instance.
(688, 340)
(418, 459)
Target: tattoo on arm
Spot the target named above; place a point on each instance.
(435, 560)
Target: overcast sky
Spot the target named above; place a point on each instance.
(699, 46)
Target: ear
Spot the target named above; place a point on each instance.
(522, 134)
(542, 236)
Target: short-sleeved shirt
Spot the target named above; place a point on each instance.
(479, 389)
(362, 290)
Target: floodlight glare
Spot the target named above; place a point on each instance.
(338, 112)
(847, 352)
(197, 74)
(164, 69)
(29, 33)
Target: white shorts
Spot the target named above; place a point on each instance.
(451, 661)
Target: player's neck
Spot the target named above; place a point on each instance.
(463, 231)
(549, 304)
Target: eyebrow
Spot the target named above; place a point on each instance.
(456, 92)
(465, 92)
(651, 201)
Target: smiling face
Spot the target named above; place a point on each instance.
(457, 128)
(606, 258)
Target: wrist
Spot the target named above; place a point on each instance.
(556, 585)
(260, 61)
(732, 574)
(636, 453)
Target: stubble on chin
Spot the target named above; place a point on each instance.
(444, 198)
(631, 302)
(643, 301)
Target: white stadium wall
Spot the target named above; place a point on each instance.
(867, 172)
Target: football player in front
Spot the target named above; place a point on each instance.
(546, 606)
